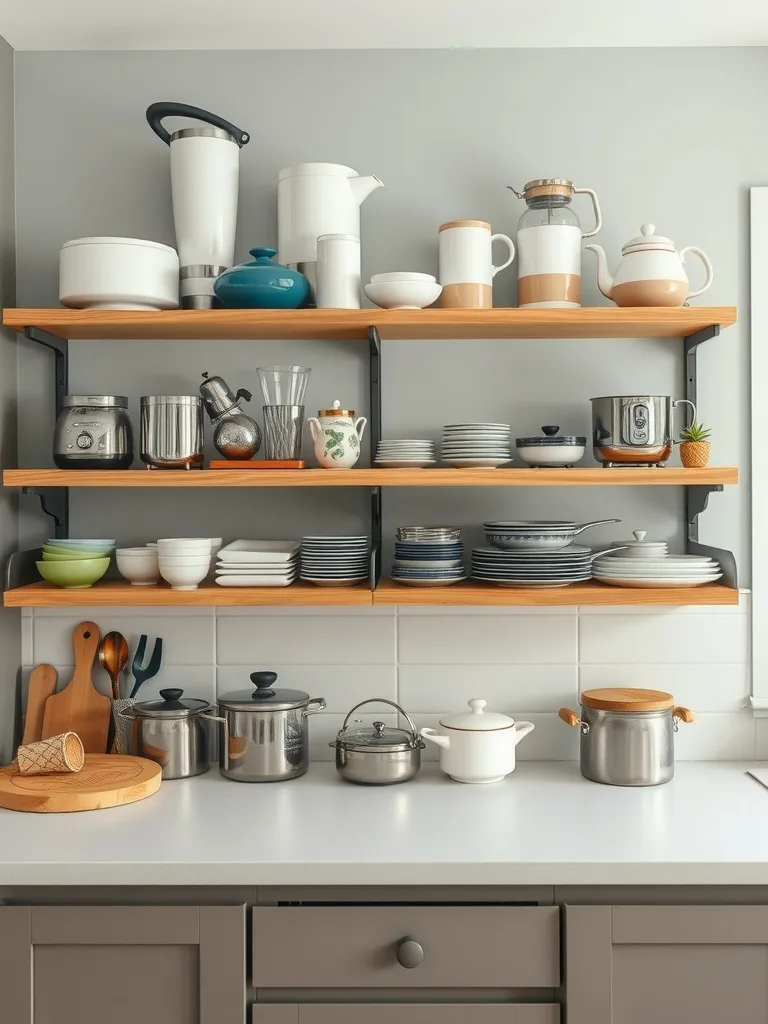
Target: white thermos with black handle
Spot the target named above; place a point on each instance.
(205, 173)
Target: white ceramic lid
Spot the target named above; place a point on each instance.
(648, 239)
(108, 240)
(477, 720)
(336, 170)
(641, 542)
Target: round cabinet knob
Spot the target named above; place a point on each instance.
(84, 440)
(410, 953)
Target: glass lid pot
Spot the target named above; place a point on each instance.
(381, 738)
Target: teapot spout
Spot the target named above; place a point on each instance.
(363, 186)
(604, 279)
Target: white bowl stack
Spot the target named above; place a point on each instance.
(476, 445)
(408, 453)
(335, 561)
(258, 563)
(184, 562)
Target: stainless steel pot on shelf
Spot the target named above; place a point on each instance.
(634, 430)
(381, 756)
(172, 431)
(266, 731)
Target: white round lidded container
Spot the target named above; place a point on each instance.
(553, 450)
(118, 273)
(639, 547)
(477, 746)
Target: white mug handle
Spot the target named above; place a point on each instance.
(510, 246)
(707, 266)
(360, 424)
(314, 426)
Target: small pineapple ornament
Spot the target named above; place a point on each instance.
(695, 446)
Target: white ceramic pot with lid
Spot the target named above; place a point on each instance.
(477, 746)
(639, 547)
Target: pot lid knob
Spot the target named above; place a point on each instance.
(550, 431)
(477, 705)
(171, 694)
(378, 730)
(639, 535)
(263, 682)
(648, 229)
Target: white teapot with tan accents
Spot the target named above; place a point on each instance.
(650, 273)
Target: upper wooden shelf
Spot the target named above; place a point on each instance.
(523, 477)
(353, 324)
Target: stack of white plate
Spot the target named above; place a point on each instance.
(335, 561)
(532, 568)
(409, 453)
(258, 563)
(476, 445)
(665, 571)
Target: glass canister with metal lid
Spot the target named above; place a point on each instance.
(549, 243)
(378, 756)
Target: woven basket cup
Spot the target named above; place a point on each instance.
(63, 753)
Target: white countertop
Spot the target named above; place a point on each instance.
(544, 824)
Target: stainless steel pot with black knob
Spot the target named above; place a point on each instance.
(267, 738)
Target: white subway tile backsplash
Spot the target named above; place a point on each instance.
(342, 686)
(476, 640)
(698, 687)
(717, 737)
(185, 641)
(651, 638)
(761, 739)
(671, 611)
(194, 680)
(309, 611)
(540, 688)
(306, 640)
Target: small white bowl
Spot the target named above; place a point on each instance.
(403, 294)
(184, 577)
(138, 565)
(182, 560)
(402, 275)
(183, 542)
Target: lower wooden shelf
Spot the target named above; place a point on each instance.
(116, 593)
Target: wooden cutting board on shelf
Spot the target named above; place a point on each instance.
(105, 780)
(42, 684)
(79, 707)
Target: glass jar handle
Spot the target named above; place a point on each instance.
(596, 207)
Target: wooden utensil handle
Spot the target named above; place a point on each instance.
(568, 716)
(85, 640)
(683, 714)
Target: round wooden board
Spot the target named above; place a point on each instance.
(106, 780)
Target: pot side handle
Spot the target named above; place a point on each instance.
(522, 729)
(569, 717)
(208, 717)
(683, 715)
(435, 737)
(315, 704)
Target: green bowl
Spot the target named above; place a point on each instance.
(51, 554)
(73, 574)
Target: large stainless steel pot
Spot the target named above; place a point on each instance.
(380, 756)
(634, 430)
(172, 431)
(627, 735)
(267, 736)
(173, 732)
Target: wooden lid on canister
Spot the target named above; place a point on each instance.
(625, 698)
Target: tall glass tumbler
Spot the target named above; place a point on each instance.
(283, 385)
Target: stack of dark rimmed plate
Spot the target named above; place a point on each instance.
(428, 556)
(335, 561)
(532, 568)
(476, 445)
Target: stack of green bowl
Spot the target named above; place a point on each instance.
(75, 564)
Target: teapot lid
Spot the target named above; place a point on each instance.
(336, 410)
(648, 239)
(477, 719)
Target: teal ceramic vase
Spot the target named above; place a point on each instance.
(261, 284)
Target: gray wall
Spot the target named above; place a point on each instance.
(671, 136)
(10, 626)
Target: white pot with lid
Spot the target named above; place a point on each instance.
(477, 746)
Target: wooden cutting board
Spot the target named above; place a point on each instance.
(105, 780)
(79, 707)
(42, 684)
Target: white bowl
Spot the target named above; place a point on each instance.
(186, 542)
(184, 577)
(138, 565)
(552, 455)
(403, 294)
(118, 273)
(182, 560)
(402, 275)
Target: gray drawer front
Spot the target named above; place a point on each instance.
(356, 947)
(404, 1013)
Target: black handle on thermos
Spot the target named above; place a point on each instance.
(157, 111)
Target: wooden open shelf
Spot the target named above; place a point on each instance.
(516, 477)
(471, 592)
(353, 324)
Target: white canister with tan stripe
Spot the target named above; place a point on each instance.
(549, 244)
(466, 263)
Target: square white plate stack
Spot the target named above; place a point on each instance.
(258, 563)
(476, 445)
(409, 453)
(335, 561)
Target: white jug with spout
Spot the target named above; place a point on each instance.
(314, 200)
(205, 171)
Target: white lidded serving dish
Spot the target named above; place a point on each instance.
(118, 273)
(551, 450)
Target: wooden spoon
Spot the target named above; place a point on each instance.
(113, 657)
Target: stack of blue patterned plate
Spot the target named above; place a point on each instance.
(428, 556)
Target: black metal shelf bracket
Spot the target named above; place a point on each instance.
(54, 501)
(374, 350)
(691, 348)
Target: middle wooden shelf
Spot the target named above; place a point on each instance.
(591, 476)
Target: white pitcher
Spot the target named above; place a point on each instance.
(337, 436)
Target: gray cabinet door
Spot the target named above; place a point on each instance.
(632, 965)
(122, 965)
(403, 1013)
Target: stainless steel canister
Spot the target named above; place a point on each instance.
(172, 431)
(634, 430)
(267, 737)
(173, 732)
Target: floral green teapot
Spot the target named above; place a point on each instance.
(337, 436)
